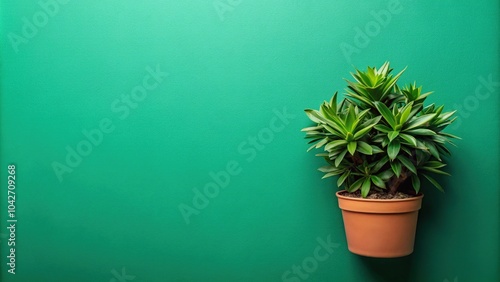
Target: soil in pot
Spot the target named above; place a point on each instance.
(379, 195)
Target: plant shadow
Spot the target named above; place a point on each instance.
(388, 269)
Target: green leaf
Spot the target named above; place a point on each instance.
(322, 155)
(432, 149)
(444, 150)
(312, 147)
(342, 178)
(406, 150)
(359, 118)
(337, 125)
(435, 170)
(421, 157)
(372, 121)
(415, 182)
(392, 135)
(393, 149)
(330, 174)
(356, 185)
(447, 115)
(312, 128)
(359, 97)
(434, 164)
(334, 144)
(385, 142)
(391, 82)
(349, 137)
(378, 181)
(364, 148)
(386, 113)
(333, 102)
(365, 189)
(315, 116)
(352, 147)
(383, 128)
(416, 109)
(327, 168)
(405, 113)
(408, 138)
(386, 175)
(380, 163)
(449, 135)
(396, 167)
(324, 109)
(429, 109)
(350, 119)
(420, 131)
(419, 121)
(376, 150)
(340, 157)
(322, 142)
(440, 139)
(383, 69)
(423, 96)
(362, 132)
(334, 130)
(434, 182)
(439, 110)
(408, 164)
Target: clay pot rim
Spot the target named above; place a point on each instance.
(418, 197)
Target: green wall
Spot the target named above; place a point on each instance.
(160, 140)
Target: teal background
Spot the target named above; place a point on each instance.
(231, 65)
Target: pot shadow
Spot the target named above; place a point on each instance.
(388, 269)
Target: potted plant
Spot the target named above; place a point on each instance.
(382, 142)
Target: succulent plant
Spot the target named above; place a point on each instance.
(380, 135)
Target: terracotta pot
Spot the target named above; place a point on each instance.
(380, 228)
